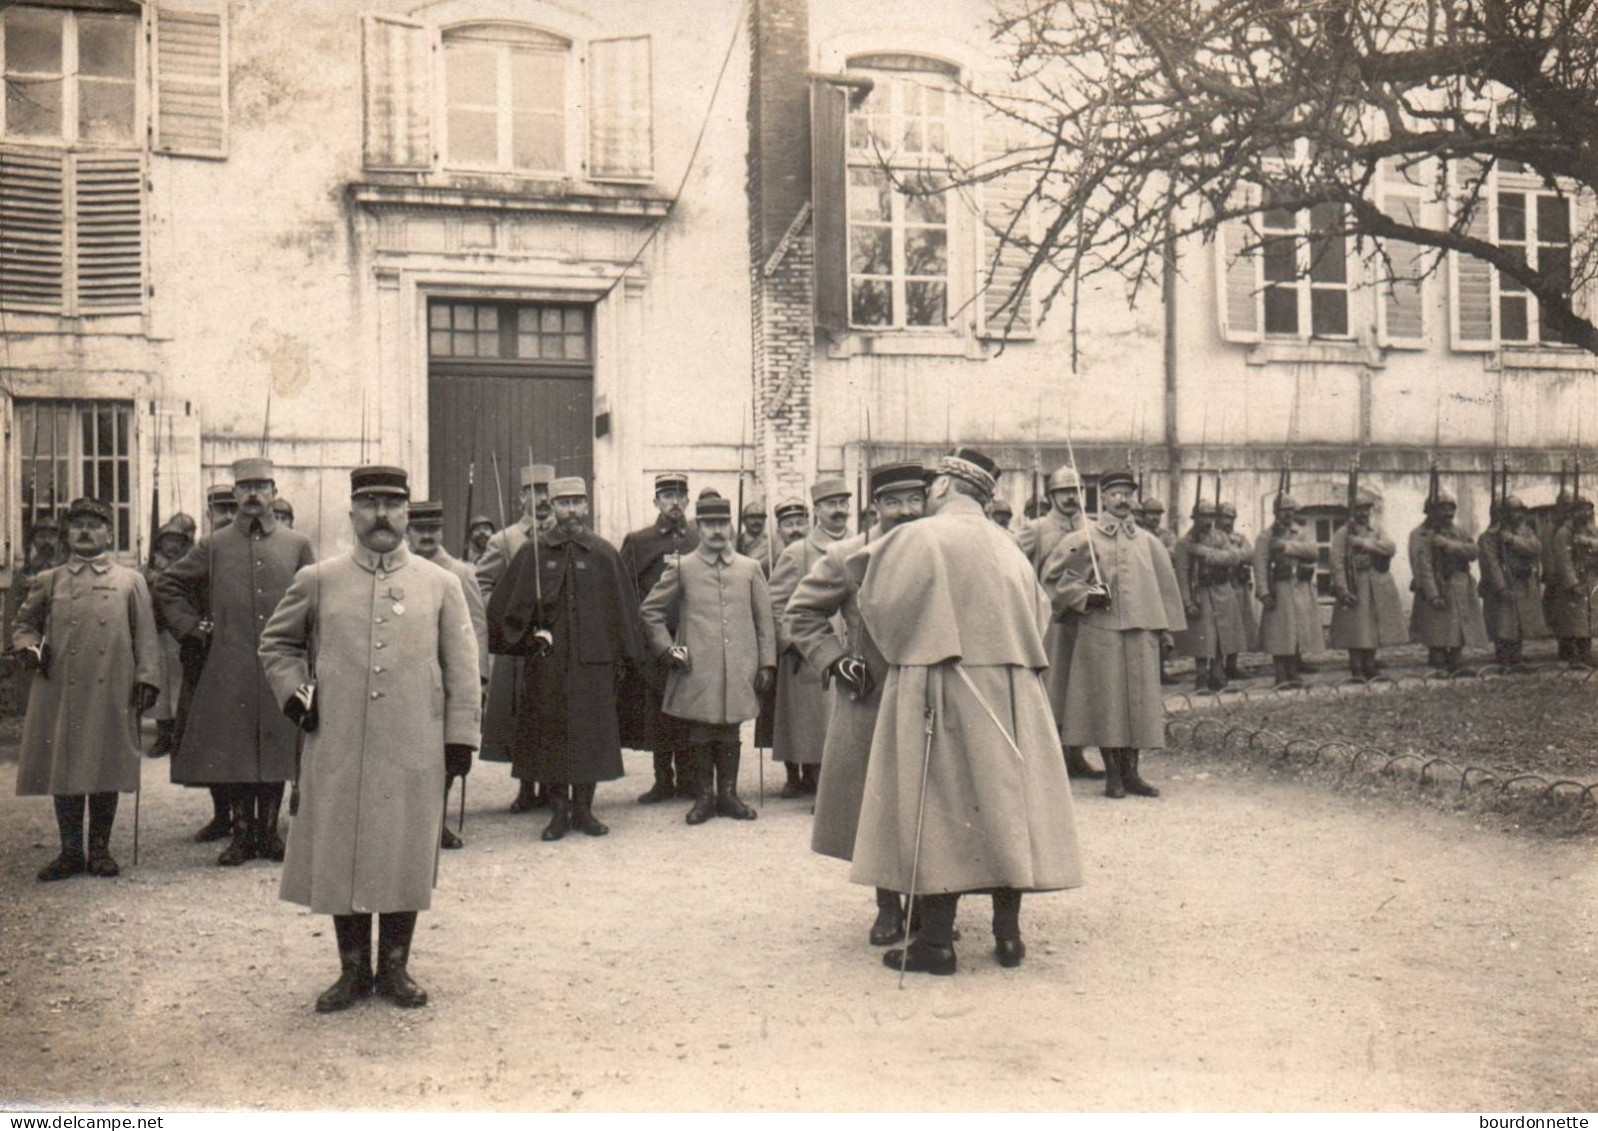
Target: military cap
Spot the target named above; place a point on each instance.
(829, 489)
(537, 474)
(379, 479)
(1064, 479)
(480, 520)
(1443, 497)
(252, 468)
(755, 508)
(1150, 505)
(47, 521)
(220, 493)
(175, 530)
(427, 512)
(1513, 503)
(569, 487)
(897, 477)
(1204, 508)
(86, 507)
(283, 508)
(712, 507)
(671, 481)
(1001, 505)
(1225, 510)
(790, 507)
(1285, 502)
(1120, 477)
(709, 493)
(971, 466)
(184, 523)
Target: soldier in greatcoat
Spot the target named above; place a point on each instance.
(1284, 568)
(1118, 580)
(505, 676)
(645, 556)
(1576, 550)
(479, 530)
(851, 663)
(1242, 586)
(87, 632)
(373, 655)
(172, 541)
(424, 533)
(793, 525)
(1037, 540)
(1204, 562)
(984, 805)
(221, 507)
(1556, 608)
(220, 595)
(1149, 513)
(1368, 615)
(709, 621)
(802, 703)
(567, 608)
(754, 540)
(1511, 581)
(1446, 615)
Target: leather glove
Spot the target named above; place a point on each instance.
(1098, 599)
(144, 697)
(35, 658)
(853, 674)
(543, 644)
(1192, 612)
(457, 759)
(765, 680)
(301, 707)
(1439, 602)
(676, 658)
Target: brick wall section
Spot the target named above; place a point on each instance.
(783, 334)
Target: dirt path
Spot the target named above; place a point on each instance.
(1242, 943)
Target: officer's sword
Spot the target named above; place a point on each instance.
(921, 812)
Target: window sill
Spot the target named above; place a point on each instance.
(906, 343)
(1313, 352)
(508, 194)
(1541, 357)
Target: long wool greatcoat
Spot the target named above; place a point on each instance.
(645, 554)
(957, 612)
(803, 706)
(1292, 623)
(1114, 695)
(1511, 583)
(1577, 554)
(394, 658)
(1204, 571)
(474, 601)
(80, 734)
(1440, 564)
(1037, 540)
(504, 676)
(237, 576)
(567, 730)
(1243, 589)
(722, 610)
(1376, 619)
(824, 597)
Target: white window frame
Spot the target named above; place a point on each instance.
(1532, 188)
(69, 86)
(1302, 284)
(574, 111)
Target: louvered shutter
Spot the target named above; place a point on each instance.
(829, 200)
(1474, 324)
(33, 236)
(191, 79)
(1401, 285)
(620, 128)
(1007, 310)
(1239, 282)
(396, 59)
(109, 239)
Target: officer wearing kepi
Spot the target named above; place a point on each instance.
(373, 655)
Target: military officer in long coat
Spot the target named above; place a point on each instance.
(221, 593)
(851, 663)
(754, 540)
(800, 732)
(221, 507)
(1242, 585)
(709, 621)
(1149, 513)
(424, 533)
(985, 805)
(1284, 568)
(1117, 578)
(1576, 551)
(505, 677)
(1446, 615)
(1556, 608)
(793, 525)
(1204, 562)
(87, 632)
(1367, 615)
(567, 608)
(373, 654)
(172, 541)
(1511, 581)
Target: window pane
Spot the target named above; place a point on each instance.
(576, 347)
(487, 344)
(438, 316)
(526, 345)
(1328, 313)
(870, 250)
(551, 347)
(527, 320)
(465, 317)
(937, 137)
(1279, 263)
(465, 345)
(913, 139)
(33, 107)
(537, 81)
(575, 321)
(33, 41)
(105, 110)
(1281, 310)
(473, 137)
(1553, 220)
(488, 317)
(538, 142)
(926, 252)
(471, 76)
(438, 343)
(1555, 263)
(1278, 220)
(871, 303)
(106, 45)
(926, 209)
(1512, 322)
(925, 304)
(869, 194)
(1512, 216)
(549, 321)
(1328, 260)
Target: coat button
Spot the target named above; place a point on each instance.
(379, 620)
(379, 644)
(377, 695)
(377, 671)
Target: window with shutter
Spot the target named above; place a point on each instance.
(33, 220)
(1402, 267)
(505, 99)
(110, 235)
(829, 202)
(620, 129)
(1238, 284)
(1008, 309)
(398, 84)
(191, 79)
(70, 74)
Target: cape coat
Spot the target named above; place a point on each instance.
(1114, 694)
(1204, 570)
(1037, 539)
(803, 706)
(1291, 623)
(505, 676)
(1440, 566)
(1376, 619)
(645, 554)
(722, 610)
(567, 730)
(394, 658)
(1511, 583)
(1576, 551)
(957, 612)
(80, 734)
(234, 731)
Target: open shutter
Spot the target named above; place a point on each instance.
(397, 73)
(109, 242)
(1239, 281)
(191, 78)
(1472, 316)
(1007, 310)
(829, 112)
(32, 230)
(620, 125)
(1400, 278)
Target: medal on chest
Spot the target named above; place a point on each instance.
(396, 595)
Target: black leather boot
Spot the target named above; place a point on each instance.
(704, 780)
(1356, 666)
(1130, 777)
(583, 819)
(1076, 765)
(1434, 658)
(810, 777)
(446, 838)
(354, 934)
(69, 823)
(394, 932)
(242, 847)
(102, 815)
(1217, 675)
(1007, 945)
(268, 808)
(1452, 660)
(1232, 670)
(728, 803)
(1113, 786)
(687, 766)
(665, 787)
(560, 814)
(889, 927)
(794, 786)
(1201, 675)
(526, 797)
(931, 951)
(1368, 664)
(221, 822)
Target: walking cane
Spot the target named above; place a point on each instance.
(921, 812)
(460, 825)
